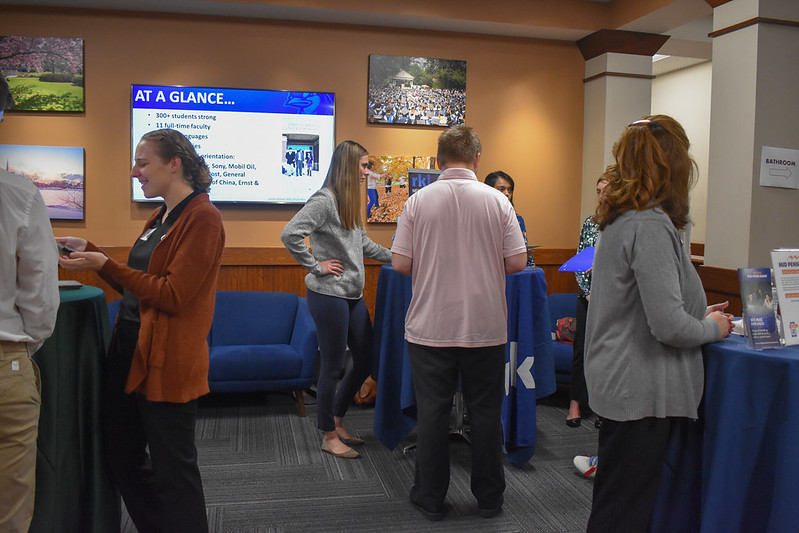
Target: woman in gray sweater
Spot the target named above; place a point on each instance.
(646, 323)
(333, 221)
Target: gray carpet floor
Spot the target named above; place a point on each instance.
(263, 472)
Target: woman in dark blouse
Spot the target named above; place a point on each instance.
(157, 364)
(502, 182)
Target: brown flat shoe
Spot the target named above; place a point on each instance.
(352, 441)
(349, 454)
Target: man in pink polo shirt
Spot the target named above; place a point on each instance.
(457, 238)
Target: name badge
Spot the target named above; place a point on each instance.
(147, 234)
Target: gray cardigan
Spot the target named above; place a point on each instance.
(319, 220)
(646, 322)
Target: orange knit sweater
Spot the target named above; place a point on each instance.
(176, 304)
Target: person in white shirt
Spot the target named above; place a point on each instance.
(28, 307)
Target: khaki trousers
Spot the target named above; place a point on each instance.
(19, 424)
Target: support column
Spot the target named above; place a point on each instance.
(754, 103)
(618, 91)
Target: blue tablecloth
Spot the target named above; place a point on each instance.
(528, 353)
(734, 471)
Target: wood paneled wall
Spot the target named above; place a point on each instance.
(722, 284)
(273, 269)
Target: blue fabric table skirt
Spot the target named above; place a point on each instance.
(733, 471)
(530, 370)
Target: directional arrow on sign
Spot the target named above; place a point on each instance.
(780, 172)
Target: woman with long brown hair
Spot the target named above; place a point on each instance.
(647, 321)
(333, 221)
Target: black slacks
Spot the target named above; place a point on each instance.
(435, 380)
(162, 489)
(577, 388)
(631, 459)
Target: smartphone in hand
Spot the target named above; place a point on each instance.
(65, 250)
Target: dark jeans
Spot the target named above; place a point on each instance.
(340, 323)
(162, 489)
(631, 458)
(577, 388)
(435, 380)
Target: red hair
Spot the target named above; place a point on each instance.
(653, 168)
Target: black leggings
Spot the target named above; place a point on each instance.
(340, 323)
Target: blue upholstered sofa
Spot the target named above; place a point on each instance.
(262, 341)
(561, 304)
(259, 341)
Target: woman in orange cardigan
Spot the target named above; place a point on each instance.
(157, 365)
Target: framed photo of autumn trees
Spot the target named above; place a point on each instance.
(416, 91)
(43, 73)
(389, 184)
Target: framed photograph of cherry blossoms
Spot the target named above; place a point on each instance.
(44, 73)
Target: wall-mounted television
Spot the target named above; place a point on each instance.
(262, 147)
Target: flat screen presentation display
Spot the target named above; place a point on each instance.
(262, 147)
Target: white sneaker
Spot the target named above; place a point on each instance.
(586, 464)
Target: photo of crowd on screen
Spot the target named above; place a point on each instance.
(418, 91)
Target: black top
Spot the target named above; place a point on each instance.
(139, 257)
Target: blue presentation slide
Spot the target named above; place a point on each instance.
(260, 146)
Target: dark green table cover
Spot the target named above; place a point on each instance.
(74, 492)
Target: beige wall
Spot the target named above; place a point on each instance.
(525, 99)
(685, 95)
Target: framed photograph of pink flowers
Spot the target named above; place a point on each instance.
(43, 73)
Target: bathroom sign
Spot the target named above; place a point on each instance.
(778, 167)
